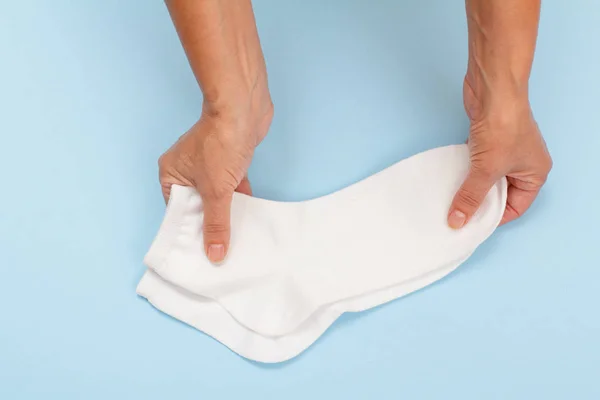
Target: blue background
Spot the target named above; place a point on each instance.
(91, 93)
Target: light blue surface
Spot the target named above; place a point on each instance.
(91, 93)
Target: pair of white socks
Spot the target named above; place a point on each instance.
(294, 267)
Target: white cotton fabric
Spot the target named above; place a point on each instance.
(294, 267)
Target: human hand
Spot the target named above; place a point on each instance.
(221, 42)
(213, 156)
(504, 140)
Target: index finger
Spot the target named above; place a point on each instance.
(518, 202)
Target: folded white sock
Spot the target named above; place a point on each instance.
(294, 267)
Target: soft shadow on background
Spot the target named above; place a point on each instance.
(91, 93)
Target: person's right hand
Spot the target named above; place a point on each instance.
(213, 157)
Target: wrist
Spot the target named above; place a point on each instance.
(248, 114)
(497, 81)
(238, 106)
(487, 94)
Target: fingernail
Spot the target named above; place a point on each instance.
(457, 219)
(216, 252)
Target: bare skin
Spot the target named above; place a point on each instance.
(222, 45)
(504, 139)
(223, 48)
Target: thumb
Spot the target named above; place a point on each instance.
(216, 227)
(469, 197)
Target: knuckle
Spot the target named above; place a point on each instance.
(468, 199)
(218, 193)
(215, 229)
(162, 160)
(165, 162)
(543, 171)
(549, 164)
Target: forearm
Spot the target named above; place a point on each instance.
(502, 38)
(222, 45)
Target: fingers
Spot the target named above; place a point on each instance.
(518, 201)
(217, 224)
(244, 187)
(216, 227)
(469, 197)
(166, 192)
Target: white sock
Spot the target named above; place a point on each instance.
(294, 267)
